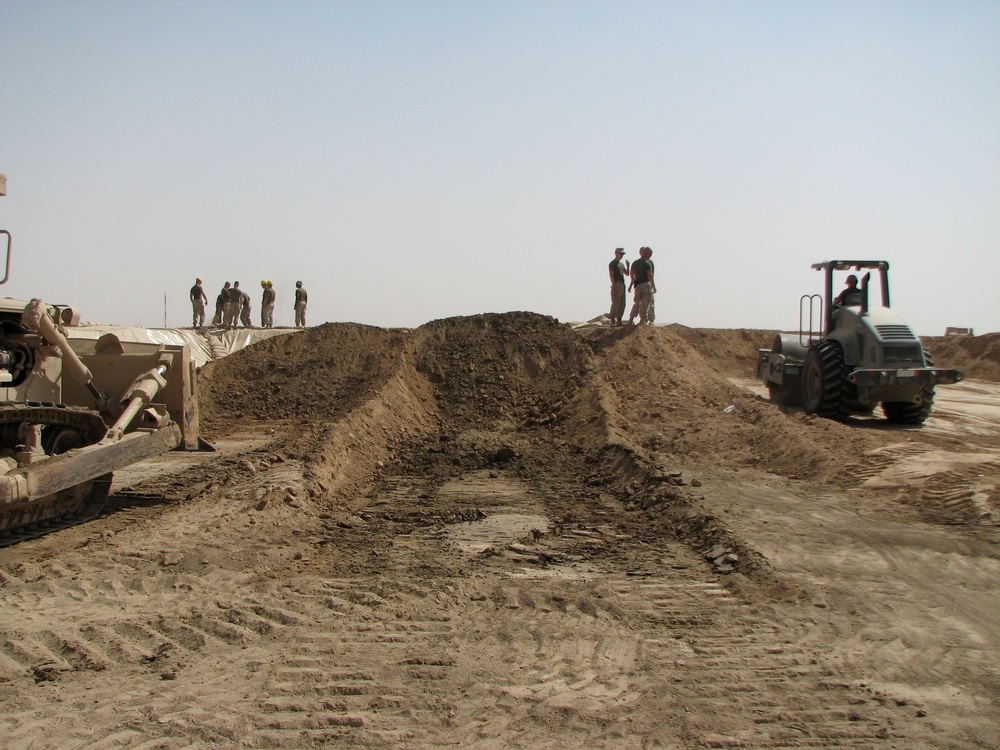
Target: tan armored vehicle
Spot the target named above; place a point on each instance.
(72, 411)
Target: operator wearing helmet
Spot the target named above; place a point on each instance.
(851, 294)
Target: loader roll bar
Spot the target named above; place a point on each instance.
(6, 273)
(829, 266)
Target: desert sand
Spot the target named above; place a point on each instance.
(500, 532)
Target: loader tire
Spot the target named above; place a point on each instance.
(824, 381)
(916, 411)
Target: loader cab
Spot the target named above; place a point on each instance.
(851, 296)
(861, 299)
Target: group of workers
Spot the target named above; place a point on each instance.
(232, 306)
(640, 276)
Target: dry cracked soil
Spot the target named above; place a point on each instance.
(500, 532)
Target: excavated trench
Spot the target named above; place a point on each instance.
(517, 396)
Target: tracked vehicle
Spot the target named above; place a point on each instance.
(74, 411)
(851, 354)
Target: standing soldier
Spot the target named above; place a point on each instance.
(198, 302)
(245, 310)
(645, 287)
(221, 304)
(617, 271)
(301, 298)
(234, 305)
(267, 305)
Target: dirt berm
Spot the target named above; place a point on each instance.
(497, 531)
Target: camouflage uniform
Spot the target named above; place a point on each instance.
(198, 302)
(301, 298)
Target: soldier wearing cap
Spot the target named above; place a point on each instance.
(267, 305)
(198, 302)
(617, 271)
(301, 298)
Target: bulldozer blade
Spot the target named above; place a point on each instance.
(84, 464)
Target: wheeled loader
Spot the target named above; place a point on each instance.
(74, 411)
(850, 357)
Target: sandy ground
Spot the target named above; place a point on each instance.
(497, 532)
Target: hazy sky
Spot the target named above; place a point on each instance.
(414, 160)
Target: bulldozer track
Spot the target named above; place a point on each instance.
(87, 427)
(87, 421)
(90, 510)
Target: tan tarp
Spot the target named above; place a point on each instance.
(206, 344)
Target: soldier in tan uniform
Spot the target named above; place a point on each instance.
(198, 302)
(301, 298)
(267, 305)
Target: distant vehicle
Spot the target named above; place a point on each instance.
(851, 357)
(72, 412)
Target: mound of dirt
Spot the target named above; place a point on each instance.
(318, 374)
(664, 393)
(731, 351)
(976, 356)
(372, 392)
(509, 368)
(678, 405)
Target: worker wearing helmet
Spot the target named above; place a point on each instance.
(851, 294)
(198, 302)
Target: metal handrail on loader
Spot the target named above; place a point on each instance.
(808, 335)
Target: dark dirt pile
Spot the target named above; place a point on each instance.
(515, 368)
(358, 395)
(320, 374)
